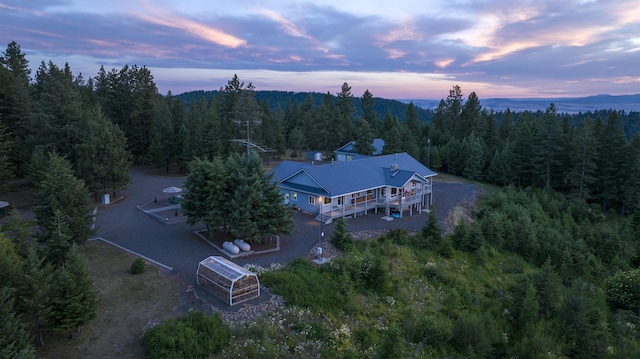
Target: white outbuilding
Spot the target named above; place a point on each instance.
(228, 281)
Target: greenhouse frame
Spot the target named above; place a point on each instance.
(228, 281)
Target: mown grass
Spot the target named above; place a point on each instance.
(127, 303)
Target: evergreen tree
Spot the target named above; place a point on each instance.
(523, 150)
(58, 113)
(15, 341)
(501, 169)
(341, 238)
(431, 233)
(475, 159)
(296, 142)
(18, 231)
(16, 105)
(413, 125)
(257, 209)
(73, 301)
(435, 159)
(6, 165)
(198, 191)
(547, 147)
(506, 126)
(324, 115)
(61, 196)
(529, 310)
(102, 159)
(582, 174)
(364, 138)
(612, 169)
(367, 102)
(471, 119)
(10, 264)
(163, 146)
(392, 141)
(36, 289)
(343, 124)
(584, 319)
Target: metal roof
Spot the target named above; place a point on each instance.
(339, 178)
(377, 144)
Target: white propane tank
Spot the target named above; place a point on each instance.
(244, 246)
(230, 247)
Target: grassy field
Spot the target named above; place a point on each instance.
(127, 303)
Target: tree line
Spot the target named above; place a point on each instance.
(104, 123)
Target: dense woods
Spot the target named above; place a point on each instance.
(547, 266)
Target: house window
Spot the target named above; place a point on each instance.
(383, 191)
(394, 191)
(312, 200)
(327, 200)
(294, 196)
(355, 195)
(340, 200)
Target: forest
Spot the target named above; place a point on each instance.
(547, 267)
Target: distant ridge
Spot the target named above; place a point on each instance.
(625, 103)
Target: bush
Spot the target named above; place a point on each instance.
(138, 266)
(623, 289)
(341, 237)
(194, 336)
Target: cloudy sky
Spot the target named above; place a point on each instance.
(404, 49)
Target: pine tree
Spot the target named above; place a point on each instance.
(102, 159)
(6, 165)
(36, 290)
(61, 196)
(367, 102)
(501, 169)
(431, 233)
(196, 202)
(256, 205)
(74, 301)
(343, 124)
(15, 341)
(341, 238)
(162, 149)
(584, 152)
(19, 232)
(16, 105)
(364, 138)
(547, 147)
(475, 159)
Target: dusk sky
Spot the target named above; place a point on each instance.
(403, 49)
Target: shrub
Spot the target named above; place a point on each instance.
(195, 335)
(623, 289)
(341, 237)
(138, 266)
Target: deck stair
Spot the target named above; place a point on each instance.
(326, 219)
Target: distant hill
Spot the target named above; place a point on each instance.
(626, 103)
(279, 99)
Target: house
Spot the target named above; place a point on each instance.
(348, 151)
(395, 183)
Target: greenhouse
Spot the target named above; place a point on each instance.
(228, 281)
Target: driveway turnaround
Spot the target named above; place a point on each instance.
(177, 245)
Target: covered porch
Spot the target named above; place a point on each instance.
(415, 196)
